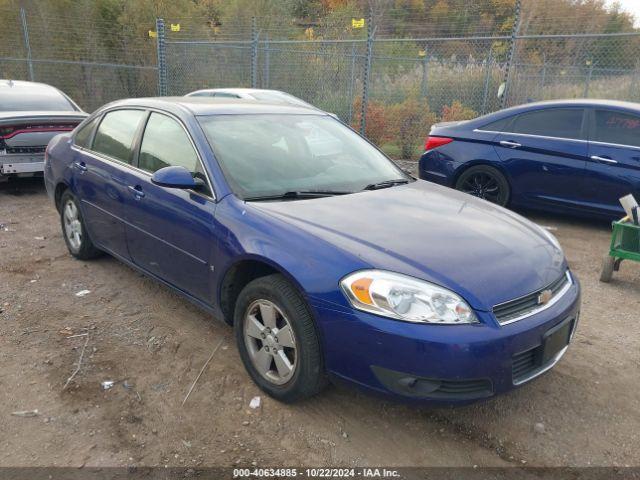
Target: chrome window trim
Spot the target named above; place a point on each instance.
(118, 162)
(578, 140)
(606, 144)
(539, 309)
(595, 142)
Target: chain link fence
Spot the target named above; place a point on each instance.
(389, 74)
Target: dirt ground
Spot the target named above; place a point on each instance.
(153, 343)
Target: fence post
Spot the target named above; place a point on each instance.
(353, 81)
(366, 75)
(254, 53)
(267, 60)
(161, 47)
(487, 77)
(512, 52)
(425, 75)
(588, 80)
(27, 44)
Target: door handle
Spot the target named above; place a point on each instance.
(80, 166)
(137, 191)
(603, 159)
(508, 144)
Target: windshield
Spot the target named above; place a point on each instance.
(269, 155)
(14, 99)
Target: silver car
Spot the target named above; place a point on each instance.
(30, 115)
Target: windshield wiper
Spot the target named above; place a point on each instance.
(297, 194)
(386, 184)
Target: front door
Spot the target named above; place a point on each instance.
(170, 232)
(614, 159)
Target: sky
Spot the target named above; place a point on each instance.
(631, 6)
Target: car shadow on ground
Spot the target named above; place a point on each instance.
(22, 186)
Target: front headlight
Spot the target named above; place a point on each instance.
(405, 298)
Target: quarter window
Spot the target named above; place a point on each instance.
(83, 137)
(556, 122)
(164, 144)
(616, 127)
(497, 126)
(116, 134)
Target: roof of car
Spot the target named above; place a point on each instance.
(574, 102)
(237, 90)
(23, 85)
(214, 106)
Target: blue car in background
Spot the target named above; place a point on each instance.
(571, 156)
(329, 265)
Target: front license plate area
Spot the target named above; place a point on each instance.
(556, 339)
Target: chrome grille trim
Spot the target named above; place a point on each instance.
(560, 286)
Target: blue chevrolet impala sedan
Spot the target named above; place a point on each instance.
(329, 261)
(565, 156)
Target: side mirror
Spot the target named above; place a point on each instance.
(175, 177)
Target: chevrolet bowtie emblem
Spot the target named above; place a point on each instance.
(544, 297)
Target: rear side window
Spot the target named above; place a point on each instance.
(201, 94)
(616, 127)
(83, 137)
(165, 143)
(116, 134)
(555, 122)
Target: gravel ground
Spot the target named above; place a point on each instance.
(586, 411)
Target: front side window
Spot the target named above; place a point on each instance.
(616, 127)
(164, 144)
(116, 134)
(273, 154)
(554, 122)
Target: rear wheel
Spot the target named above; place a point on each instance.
(73, 229)
(277, 339)
(485, 182)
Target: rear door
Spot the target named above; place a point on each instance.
(546, 154)
(170, 232)
(614, 158)
(100, 163)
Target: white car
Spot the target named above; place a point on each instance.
(259, 94)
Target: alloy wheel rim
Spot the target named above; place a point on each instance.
(270, 342)
(72, 225)
(484, 186)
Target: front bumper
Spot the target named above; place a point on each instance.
(440, 363)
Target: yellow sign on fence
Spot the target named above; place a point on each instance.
(175, 27)
(153, 34)
(357, 23)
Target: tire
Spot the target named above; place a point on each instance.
(608, 266)
(485, 182)
(258, 299)
(74, 230)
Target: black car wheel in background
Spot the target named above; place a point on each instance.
(485, 182)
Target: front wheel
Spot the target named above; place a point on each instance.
(277, 339)
(73, 229)
(485, 182)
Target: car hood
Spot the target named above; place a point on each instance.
(483, 252)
